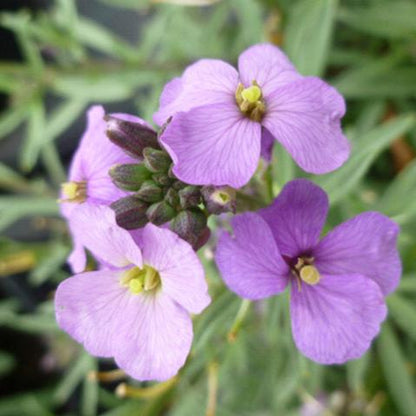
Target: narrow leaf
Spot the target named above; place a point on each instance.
(339, 183)
(308, 34)
(396, 374)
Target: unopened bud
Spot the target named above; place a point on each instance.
(178, 185)
(170, 172)
(202, 239)
(162, 179)
(160, 212)
(150, 192)
(190, 225)
(189, 197)
(172, 198)
(156, 160)
(129, 176)
(219, 199)
(129, 136)
(130, 212)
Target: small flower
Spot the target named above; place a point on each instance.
(337, 283)
(88, 180)
(223, 119)
(138, 310)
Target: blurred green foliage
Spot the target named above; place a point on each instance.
(367, 49)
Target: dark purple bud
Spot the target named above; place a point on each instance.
(190, 196)
(170, 172)
(156, 160)
(162, 179)
(129, 136)
(178, 185)
(172, 198)
(129, 176)
(149, 192)
(202, 239)
(130, 212)
(190, 225)
(219, 199)
(160, 212)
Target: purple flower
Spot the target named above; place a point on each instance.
(137, 311)
(88, 180)
(337, 283)
(223, 119)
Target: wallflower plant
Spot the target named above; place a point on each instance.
(221, 116)
(337, 283)
(137, 308)
(139, 200)
(88, 179)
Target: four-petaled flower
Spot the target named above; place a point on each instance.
(338, 283)
(221, 117)
(88, 179)
(137, 310)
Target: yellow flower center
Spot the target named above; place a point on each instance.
(224, 195)
(74, 191)
(305, 271)
(251, 94)
(141, 280)
(250, 101)
(310, 275)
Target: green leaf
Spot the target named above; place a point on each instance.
(94, 87)
(14, 208)
(396, 374)
(308, 34)
(356, 371)
(90, 392)
(283, 167)
(364, 151)
(7, 362)
(250, 16)
(73, 377)
(408, 283)
(399, 200)
(62, 118)
(93, 35)
(11, 180)
(374, 80)
(11, 118)
(26, 404)
(381, 19)
(35, 323)
(404, 314)
(35, 136)
(51, 260)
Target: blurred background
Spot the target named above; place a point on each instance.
(60, 56)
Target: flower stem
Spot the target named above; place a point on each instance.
(106, 376)
(124, 390)
(238, 321)
(212, 389)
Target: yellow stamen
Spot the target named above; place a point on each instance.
(251, 94)
(310, 275)
(139, 280)
(151, 278)
(136, 286)
(250, 101)
(74, 191)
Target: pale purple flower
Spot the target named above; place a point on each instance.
(88, 179)
(224, 118)
(138, 310)
(338, 283)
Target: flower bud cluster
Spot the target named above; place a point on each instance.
(157, 196)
